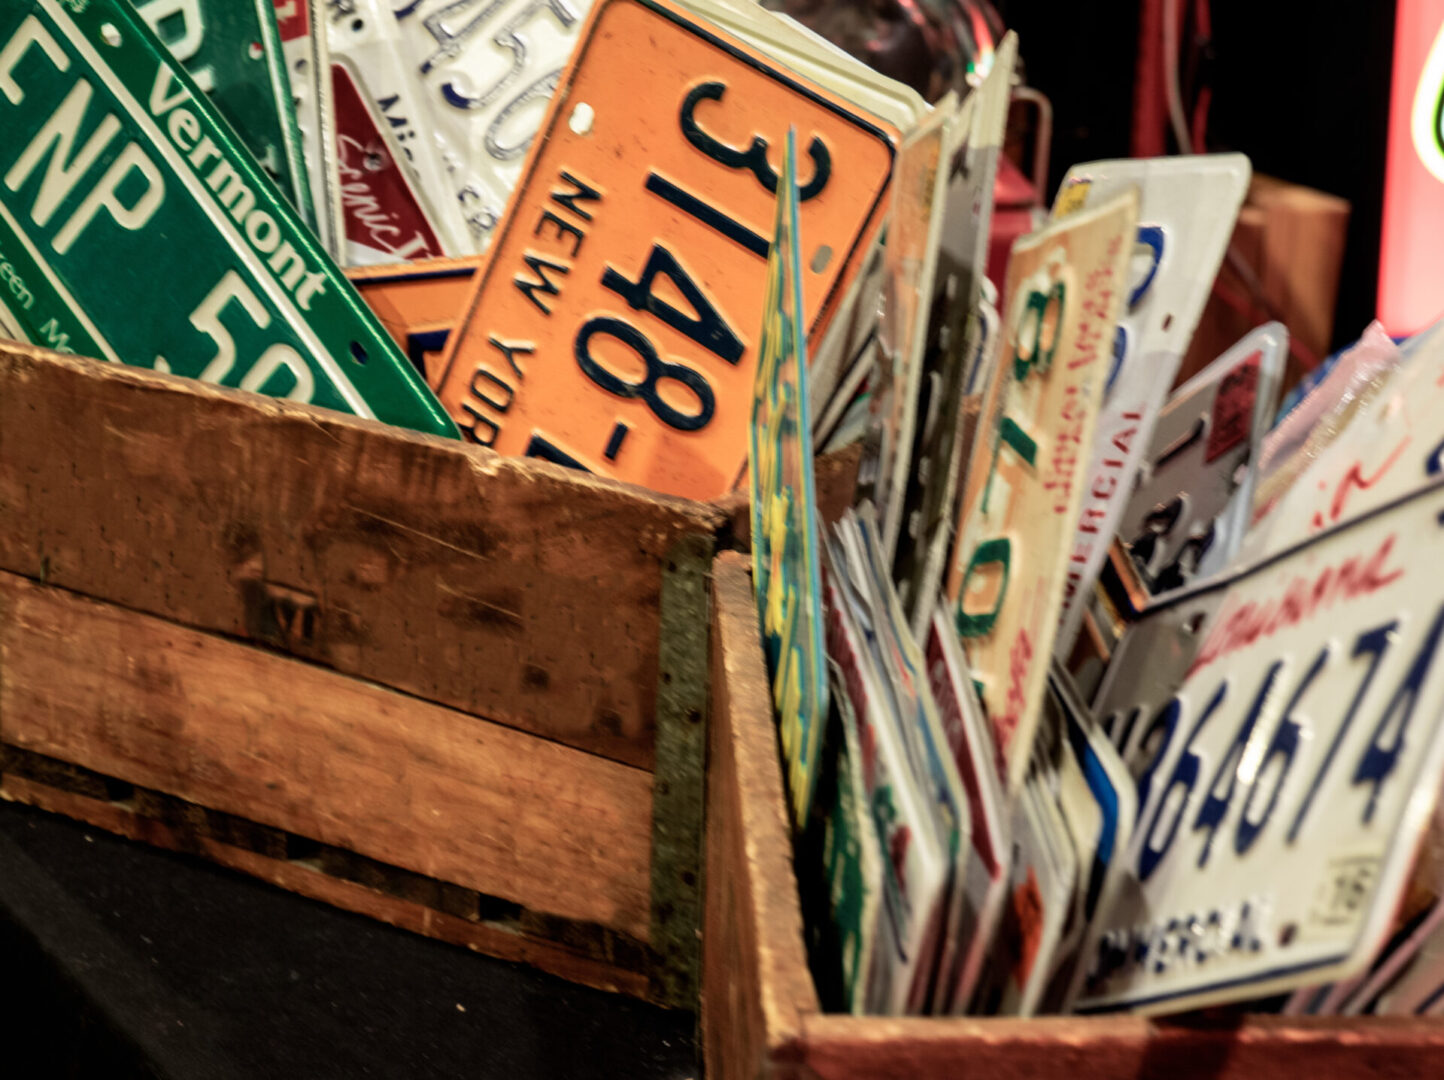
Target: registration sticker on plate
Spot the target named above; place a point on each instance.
(1295, 769)
(151, 237)
(614, 326)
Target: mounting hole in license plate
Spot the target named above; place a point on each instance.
(581, 119)
(358, 352)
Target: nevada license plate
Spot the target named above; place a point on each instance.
(139, 231)
(615, 324)
(1294, 771)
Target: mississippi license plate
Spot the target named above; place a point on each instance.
(382, 212)
(233, 51)
(1295, 769)
(615, 324)
(144, 234)
(362, 36)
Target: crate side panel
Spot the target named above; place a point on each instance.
(756, 985)
(348, 763)
(297, 877)
(1072, 1048)
(510, 589)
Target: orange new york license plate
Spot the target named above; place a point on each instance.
(419, 303)
(615, 324)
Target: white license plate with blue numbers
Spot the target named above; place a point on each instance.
(1295, 769)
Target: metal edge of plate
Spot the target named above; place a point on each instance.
(421, 270)
(1228, 578)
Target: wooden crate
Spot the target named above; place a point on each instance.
(456, 692)
(760, 1012)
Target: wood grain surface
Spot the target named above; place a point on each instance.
(1122, 1048)
(344, 762)
(549, 956)
(509, 589)
(756, 986)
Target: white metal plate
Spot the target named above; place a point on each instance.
(1297, 765)
(489, 68)
(1187, 208)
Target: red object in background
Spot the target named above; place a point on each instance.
(1151, 122)
(1015, 208)
(1411, 257)
(1150, 98)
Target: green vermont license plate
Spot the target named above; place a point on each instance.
(135, 228)
(232, 50)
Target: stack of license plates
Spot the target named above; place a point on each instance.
(1108, 693)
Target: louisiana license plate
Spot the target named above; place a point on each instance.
(1293, 773)
(142, 233)
(615, 324)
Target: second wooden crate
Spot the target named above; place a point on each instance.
(760, 1012)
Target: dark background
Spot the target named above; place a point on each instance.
(122, 962)
(1302, 88)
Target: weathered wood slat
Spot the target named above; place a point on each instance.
(348, 763)
(756, 986)
(1068, 1048)
(509, 589)
(308, 881)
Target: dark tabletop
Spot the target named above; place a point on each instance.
(120, 960)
